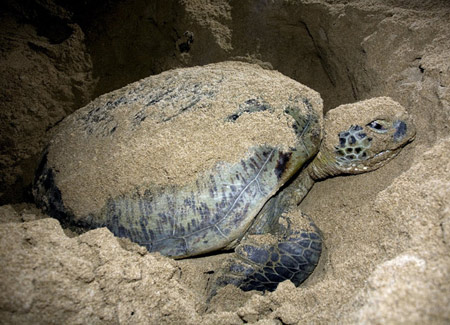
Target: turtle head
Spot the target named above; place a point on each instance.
(362, 137)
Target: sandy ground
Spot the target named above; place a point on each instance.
(386, 261)
(387, 233)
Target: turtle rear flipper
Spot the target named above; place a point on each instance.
(261, 262)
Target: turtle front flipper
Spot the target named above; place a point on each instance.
(260, 262)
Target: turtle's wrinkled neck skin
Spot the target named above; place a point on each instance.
(323, 166)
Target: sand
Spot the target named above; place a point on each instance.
(386, 232)
(387, 261)
(168, 129)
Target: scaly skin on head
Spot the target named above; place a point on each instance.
(361, 137)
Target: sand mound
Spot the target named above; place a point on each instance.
(387, 261)
(386, 232)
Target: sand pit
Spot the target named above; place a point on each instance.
(387, 233)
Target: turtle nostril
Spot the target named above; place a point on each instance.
(400, 130)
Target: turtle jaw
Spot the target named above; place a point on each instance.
(323, 166)
(370, 164)
(326, 164)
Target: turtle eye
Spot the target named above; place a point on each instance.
(378, 126)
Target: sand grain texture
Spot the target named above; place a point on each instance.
(387, 233)
(167, 129)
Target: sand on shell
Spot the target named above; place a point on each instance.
(184, 130)
(387, 233)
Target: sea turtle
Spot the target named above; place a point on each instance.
(210, 158)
